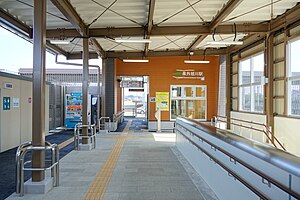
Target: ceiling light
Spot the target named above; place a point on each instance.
(196, 61)
(59, 41)
(225, 43)
(135, 60)
(133, 41)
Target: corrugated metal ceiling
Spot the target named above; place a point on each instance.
(134, 13)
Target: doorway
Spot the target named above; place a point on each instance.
(135, 100)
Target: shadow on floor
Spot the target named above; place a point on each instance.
(138, 124)
(8, 163)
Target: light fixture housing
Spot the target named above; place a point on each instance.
(59, 41)
(133, 41)
(197, 61)
(136, 60)
(225, 43)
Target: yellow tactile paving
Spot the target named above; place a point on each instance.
(65, 143)
(98, 187)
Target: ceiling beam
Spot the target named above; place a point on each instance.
(160, 31)
(149, 24)
(70, 13)
(163, 53)
(56, 49)
(98, 47)
(15, 24)
(225, 11)
(78, 55)
(196, 42)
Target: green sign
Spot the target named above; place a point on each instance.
(6, 103)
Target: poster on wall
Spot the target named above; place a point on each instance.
(162, 101)
(16, 102)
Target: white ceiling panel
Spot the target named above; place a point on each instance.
(122, 13)
(23, 10)
(181, 12)
(218, 37)
(111, 45)
(160, 43)
(259, 11)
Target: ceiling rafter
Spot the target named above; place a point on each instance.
(99, 49)
(149, 24)
(12, 22)
(56, 49)
(70, 13)
(225, 11)
(122, 54)
(196, 42)
(160, 30)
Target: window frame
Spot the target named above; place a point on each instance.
(184, 98)
(252, 84)
(290, 78)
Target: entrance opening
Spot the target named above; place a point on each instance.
(135, 100)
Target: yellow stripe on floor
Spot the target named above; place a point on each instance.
(65, 143)
(98, 187)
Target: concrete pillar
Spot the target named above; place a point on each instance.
(38, 90)
(85, 87)
(108, 85)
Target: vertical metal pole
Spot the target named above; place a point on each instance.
(228, 89)
(98, 100)
(270, 86)
(38, 90)
(85, 87)
(103, 110)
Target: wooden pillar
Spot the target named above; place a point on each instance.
(85, 88)
(228, 89)
(38, 88)
(270, 86)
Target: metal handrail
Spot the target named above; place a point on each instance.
(78, 136)
(238, 160)
(267, 133)
(22, 150)
(102, 126)
(117, 116)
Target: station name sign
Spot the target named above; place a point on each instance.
(188, 74)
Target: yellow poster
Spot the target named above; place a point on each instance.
(162, 101)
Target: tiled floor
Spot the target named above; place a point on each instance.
(129, 165)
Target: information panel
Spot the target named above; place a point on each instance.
(162, 101)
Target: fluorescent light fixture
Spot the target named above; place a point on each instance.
(133, 41)
(135, 60)
(59, 41)
(196, 61)
(225, 43)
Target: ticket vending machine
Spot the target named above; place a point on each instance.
(73, 109)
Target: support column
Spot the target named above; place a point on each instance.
(38, 88)
(85, 87)
(108, 108)
(98, 97)
(228, 89)
(269, 88)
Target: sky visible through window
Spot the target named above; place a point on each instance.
(16, 52)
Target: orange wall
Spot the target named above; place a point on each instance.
(160, 71)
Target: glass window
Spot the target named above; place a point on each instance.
(293, 77)
(191, 105)
(251, 72)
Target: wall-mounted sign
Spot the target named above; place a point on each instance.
(162, 101)
(8, 86)
(16, 102)
(6, 103)
(132, 84)
(188, 74)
